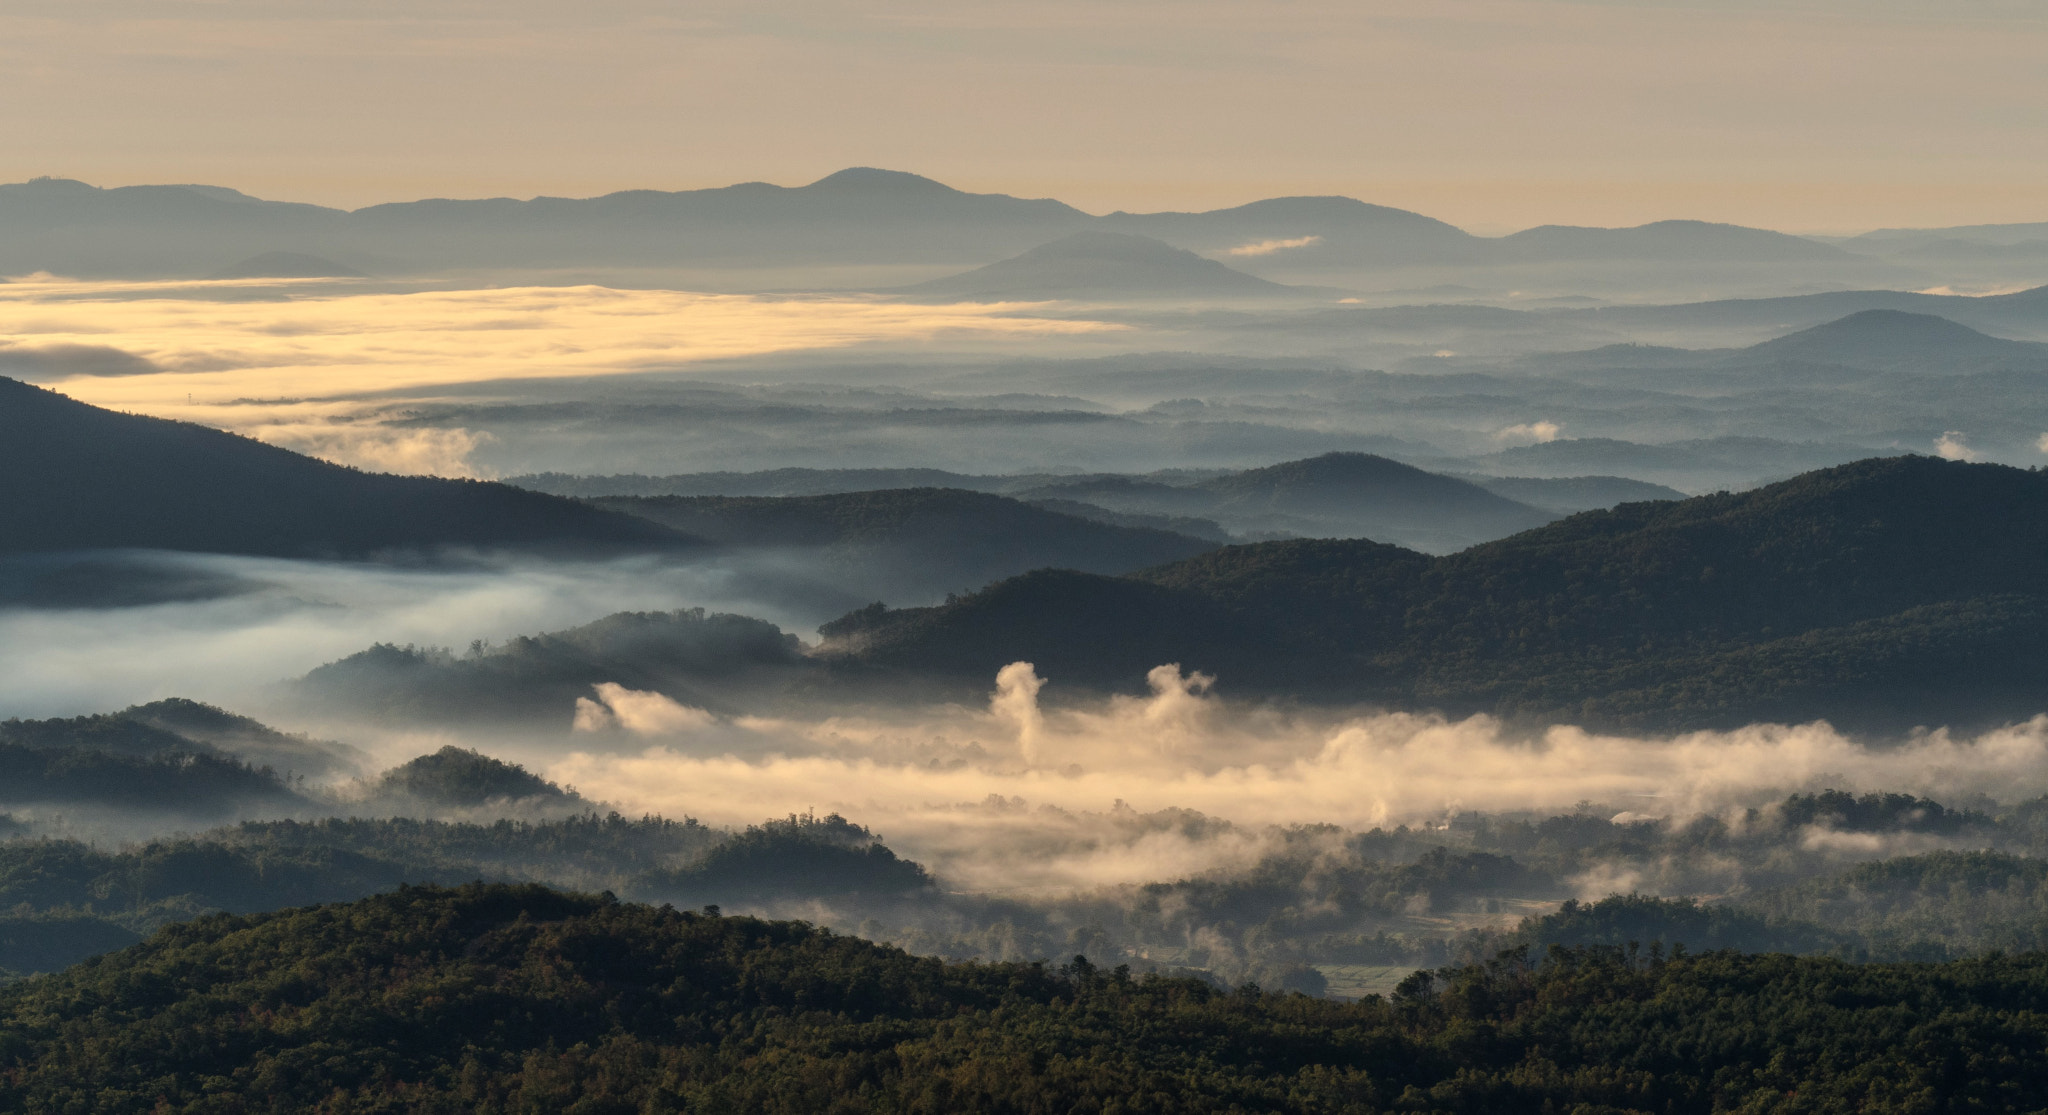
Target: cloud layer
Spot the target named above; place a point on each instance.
(279, 370)
(966, 789)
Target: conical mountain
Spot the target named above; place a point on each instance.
(1893, 340)
(1101, 265)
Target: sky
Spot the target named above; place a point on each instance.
(1806, 115)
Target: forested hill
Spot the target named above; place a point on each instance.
(1890, 591)
(74, 477)
(493, 998)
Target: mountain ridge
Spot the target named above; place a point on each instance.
(859, 214)
(78, 477)
(1887, 592)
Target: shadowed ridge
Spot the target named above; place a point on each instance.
(76, 477)
(1892, 592)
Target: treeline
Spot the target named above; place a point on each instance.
(492, 998)
(70, 900)
(705, 660)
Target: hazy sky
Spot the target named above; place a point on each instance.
(1809, 114)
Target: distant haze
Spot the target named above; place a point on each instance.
(1814, 115)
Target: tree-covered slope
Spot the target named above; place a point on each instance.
(1897, 589)
(706, 660)
(75, 477)
(493, 998)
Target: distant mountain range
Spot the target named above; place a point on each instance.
(913, 544)
(859, 215)
(1880, 594)
(1348, 495)
(1337, 495)
(1880, 351)
(76, 477)
(2020, 311)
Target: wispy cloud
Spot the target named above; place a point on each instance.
(1527, 433)
(1268, 247)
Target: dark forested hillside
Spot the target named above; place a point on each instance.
(706, 660)
(1897, 590)
(76, 477)
(1386, 500)
(493, 998)
(177, 726)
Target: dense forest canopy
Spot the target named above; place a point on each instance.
(491, 998)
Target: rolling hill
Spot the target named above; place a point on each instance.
(704, 660)
(1336, 495)
(916, 543)
(1698, 241)
(1102, 266)
(2018, 311)
(76, 477)
(1310, 231)
(1897, 341)
(1570, 494)
(1884, 593)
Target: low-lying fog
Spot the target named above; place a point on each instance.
(1021, 793)
(226, 629)
(1018, 796)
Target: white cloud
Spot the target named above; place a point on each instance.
(1002, 797)
(637, 711)
(1528, 433)
(1268, 247)
(380, 449)
(1949, 446)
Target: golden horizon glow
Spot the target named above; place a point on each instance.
(296, 373)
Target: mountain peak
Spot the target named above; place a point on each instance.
(1897, 340)
(869, 179)
(1102, 265)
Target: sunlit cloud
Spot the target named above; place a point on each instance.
(1950, 447)
(962, 787)
(1268, 247)
(1527, 433)
(206, 350)
(618, 708)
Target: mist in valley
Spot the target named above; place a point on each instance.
(700, 721)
